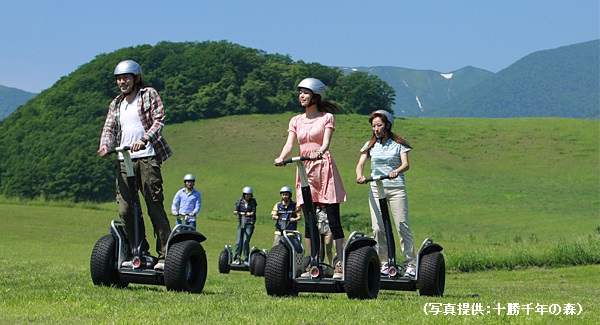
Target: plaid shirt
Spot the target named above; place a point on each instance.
(240, 206)
(152, 115)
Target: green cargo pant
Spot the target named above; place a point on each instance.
(149, 182)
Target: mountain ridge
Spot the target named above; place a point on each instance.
(419, 91)
(11, 98)
(559, 82)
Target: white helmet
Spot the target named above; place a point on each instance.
(247, 190)
(314, 85)
(387, 114)
(189, 177)
(128, 66)
(285, 189)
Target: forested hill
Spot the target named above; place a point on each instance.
(49, 144)
(11, 98)
(562, 82)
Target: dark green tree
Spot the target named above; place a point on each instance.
(363, 93)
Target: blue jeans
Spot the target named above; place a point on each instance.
(247, 234)
(187, 223)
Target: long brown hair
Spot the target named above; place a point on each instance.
(324, 105)
(388, 132)
(327, 106)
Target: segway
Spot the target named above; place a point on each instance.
(285, 262)
(113, 263)
(430, 277)
(256, 260)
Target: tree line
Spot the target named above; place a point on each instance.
(48, 146)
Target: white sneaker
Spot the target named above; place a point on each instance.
(338, 271)
(128, 264)
(385, 270)
(160, 266)
(410, 272)
(307, 273)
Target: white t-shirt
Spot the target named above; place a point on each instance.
(132, 129)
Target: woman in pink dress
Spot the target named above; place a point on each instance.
(313, 130)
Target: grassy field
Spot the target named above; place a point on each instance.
(45, 280)
(519, 198)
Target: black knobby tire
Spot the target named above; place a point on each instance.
(432, 274)
(278, 280)
(259, 261)
(252, 263)
(103, 263)
(362, 273)
(185, 267)
(224, 262)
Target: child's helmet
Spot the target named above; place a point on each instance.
(285, 189)
(247, 190)
(189, 177)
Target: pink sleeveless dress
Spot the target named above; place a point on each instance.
(323, 175)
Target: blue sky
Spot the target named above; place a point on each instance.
(42, 41)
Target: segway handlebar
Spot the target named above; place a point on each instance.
(121, 149)
(296, 159)
(376, 178)
(117, 149)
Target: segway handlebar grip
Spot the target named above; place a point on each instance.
(295, 159)
(376, 178)
(120, 149)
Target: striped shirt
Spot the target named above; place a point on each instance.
(386, 158)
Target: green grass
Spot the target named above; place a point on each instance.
(519, 198)
(45, 280)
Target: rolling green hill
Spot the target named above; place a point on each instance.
(473, 183)
(52, 139)
(470, 180)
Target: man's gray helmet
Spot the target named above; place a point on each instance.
(128, 66)
(285, 189)
(315, 85)
(387, 114)
(189, 177)
(247, 190)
